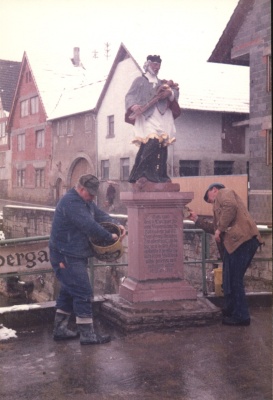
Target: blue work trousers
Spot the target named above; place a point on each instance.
(234, 269)
(75, 289)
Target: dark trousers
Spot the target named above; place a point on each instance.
(75, 289)
(234, 269)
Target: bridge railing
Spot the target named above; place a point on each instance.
(203, 261)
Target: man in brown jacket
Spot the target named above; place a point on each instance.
(235, 229)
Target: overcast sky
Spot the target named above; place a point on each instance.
(185, 31)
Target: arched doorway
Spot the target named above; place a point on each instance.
(80, 167)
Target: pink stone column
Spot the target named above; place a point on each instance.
(155, 247)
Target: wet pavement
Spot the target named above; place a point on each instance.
(196, 363)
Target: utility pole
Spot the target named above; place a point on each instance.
(95, 54)
(107, 50)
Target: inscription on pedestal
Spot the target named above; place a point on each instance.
(160, 243)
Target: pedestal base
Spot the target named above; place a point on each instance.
(155, 246)
(158, 315)
(158, 290)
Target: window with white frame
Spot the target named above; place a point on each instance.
(21, 142)
(3, 134)
(105, 169)
(39, 177)
(34, 105)
(111, 128)
(2, 129)
(21, 177)
(40, 138)
(24, 108)
(124, 169)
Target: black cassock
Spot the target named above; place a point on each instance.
(150, 162)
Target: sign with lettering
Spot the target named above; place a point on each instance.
(161, 244)
(22, 257)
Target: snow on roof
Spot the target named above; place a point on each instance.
(214, 100)
(78, 99)
(214, 87)
(66, 89)
(54, 73)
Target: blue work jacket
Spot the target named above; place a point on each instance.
(74, 223)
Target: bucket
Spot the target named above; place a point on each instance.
(218, 281)
(110, 251)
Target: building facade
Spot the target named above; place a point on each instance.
(40, 148)
(247, 41)
(73, 152)
(9, 73)
(30, 141)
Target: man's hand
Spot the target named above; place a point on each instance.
(137, 109)
(217, 236)
(123, 231)
(165, 93)
(193, 216)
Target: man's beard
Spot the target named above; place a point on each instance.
(152, 72)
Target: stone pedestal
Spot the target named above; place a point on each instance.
(158, 315)
(155, 242)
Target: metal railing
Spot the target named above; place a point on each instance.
(92, 265)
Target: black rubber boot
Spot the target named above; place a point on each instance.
(60, 330)
(88, 336)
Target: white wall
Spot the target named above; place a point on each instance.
(113, 149)
(198, 137)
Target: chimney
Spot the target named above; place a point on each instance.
(76, 57)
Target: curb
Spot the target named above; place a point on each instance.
(27, 315)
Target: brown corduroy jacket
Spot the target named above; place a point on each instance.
(232, 218)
